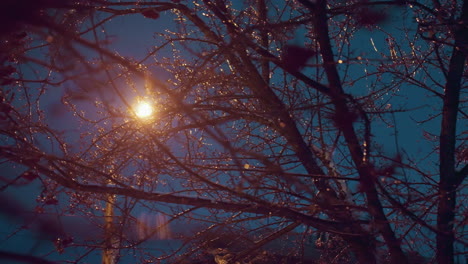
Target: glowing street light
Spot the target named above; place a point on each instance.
(143, 109)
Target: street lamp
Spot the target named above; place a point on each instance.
(143, 109)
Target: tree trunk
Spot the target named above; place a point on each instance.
(448, 182)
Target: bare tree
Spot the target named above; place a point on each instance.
(324, 120)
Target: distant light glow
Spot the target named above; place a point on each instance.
(143, 109)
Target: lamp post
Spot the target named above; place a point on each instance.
(143, 110)
(110, 252)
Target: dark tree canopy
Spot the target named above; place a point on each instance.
(304, 131)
